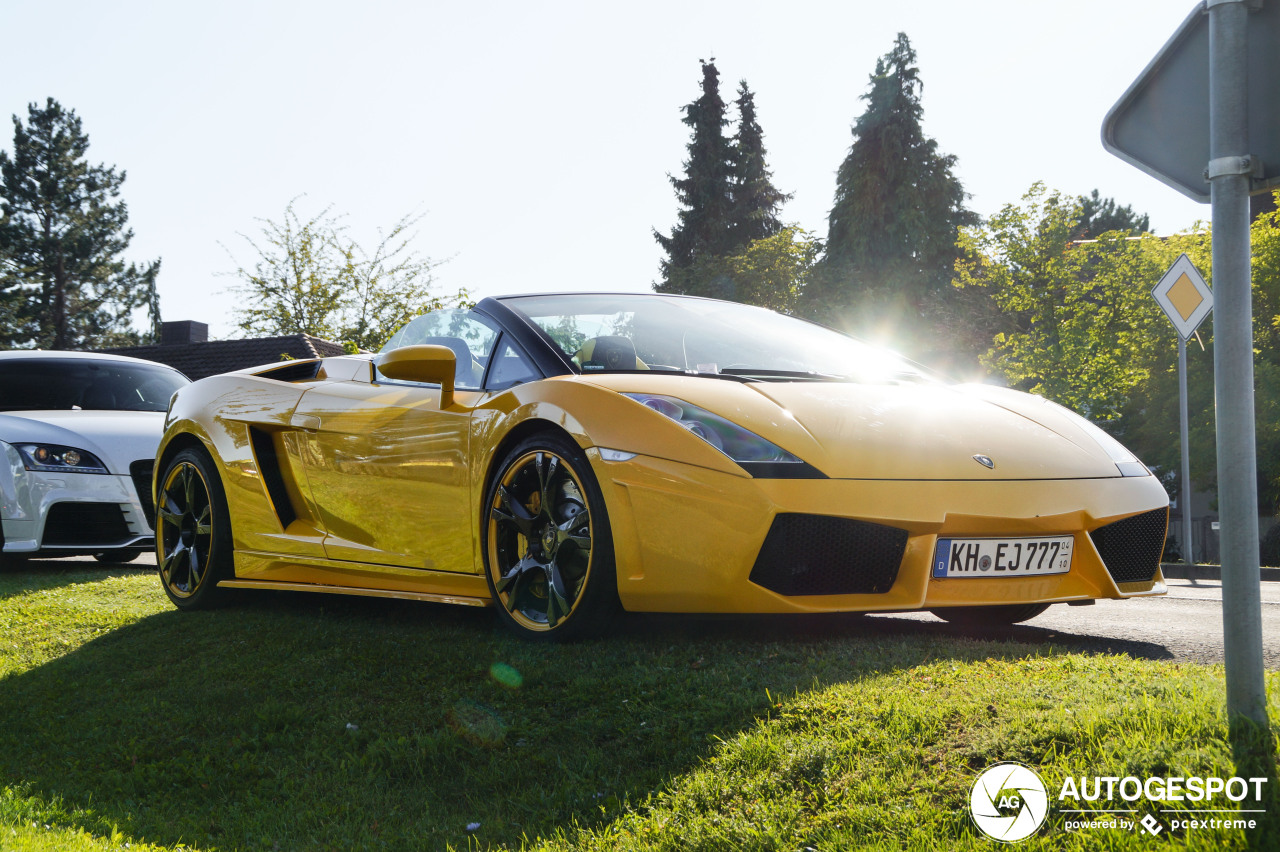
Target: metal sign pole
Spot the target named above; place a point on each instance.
(1229, 173)
(1185, 502)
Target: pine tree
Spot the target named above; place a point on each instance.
(1099, 215)
(891, 241)
(756, 201)
(62, 280)
(704, 192)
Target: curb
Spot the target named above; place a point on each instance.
(1182, 571)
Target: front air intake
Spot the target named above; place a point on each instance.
(1131, 549)
(821, 555)
(72, 524)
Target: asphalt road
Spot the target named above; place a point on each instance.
(1185, 625)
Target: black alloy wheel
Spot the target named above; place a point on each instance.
(193, 532)
(548, 548)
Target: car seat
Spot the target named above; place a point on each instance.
(609, 352)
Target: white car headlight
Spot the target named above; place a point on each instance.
(55, 458)
(727, 437)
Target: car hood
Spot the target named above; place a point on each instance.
(934, 432)
(925, 431)
(116, 437)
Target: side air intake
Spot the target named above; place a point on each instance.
(264, 450)
(140, 471)
(296, 371)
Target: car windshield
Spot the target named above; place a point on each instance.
(652, 332)
(43, 384)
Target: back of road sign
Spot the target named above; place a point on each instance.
(1161, 124)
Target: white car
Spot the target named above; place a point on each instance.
(78, 437)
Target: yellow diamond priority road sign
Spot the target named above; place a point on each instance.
(1183, 296)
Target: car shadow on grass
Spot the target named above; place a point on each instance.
(852, 625)
(299, 721)
(32, 575)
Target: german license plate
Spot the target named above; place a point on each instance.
(1002, 557)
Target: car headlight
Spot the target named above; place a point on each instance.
(1126, 462)
(727, 437)
(55, 458)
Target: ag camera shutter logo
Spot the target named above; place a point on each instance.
(1008, 802)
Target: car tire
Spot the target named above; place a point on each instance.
(116, 556)
(548, 549)
(193, 532)
(990, 616)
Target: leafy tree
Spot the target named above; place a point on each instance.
(63, 282)
(296, 284)
(1149, 422)
(1099, 215)
(1075, 329)
(891, 239)
(311, 277)
(1080, 327)
(704, 225)
(1265, 241)
(770, 272)
(756, 201)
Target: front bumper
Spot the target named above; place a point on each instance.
(65, 514)
(686, 538)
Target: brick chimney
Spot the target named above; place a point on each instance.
(183, 331)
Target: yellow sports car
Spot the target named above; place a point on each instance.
(566, 456)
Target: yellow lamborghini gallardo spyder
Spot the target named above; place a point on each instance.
(562, 457)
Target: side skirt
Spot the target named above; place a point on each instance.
(351, 590)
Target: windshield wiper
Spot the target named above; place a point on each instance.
(727, 375)
(765, 373)
(669, 371)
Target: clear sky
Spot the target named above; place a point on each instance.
(537, 137)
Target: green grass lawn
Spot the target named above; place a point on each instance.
(309, 722)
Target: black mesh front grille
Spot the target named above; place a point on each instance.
(141, 472)
(86, 524)
(820, 555)
(1131, 549)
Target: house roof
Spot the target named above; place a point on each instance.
(198, 360)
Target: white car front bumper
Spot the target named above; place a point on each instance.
(68, 513)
